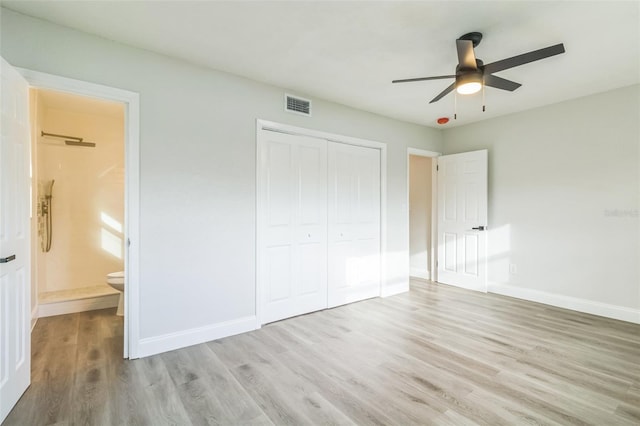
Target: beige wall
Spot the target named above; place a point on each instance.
(88, 198)
(419, 215)
(36, 112)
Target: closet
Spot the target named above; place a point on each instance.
(318, 224)
(353, 223)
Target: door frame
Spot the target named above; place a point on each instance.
(131, 100)
(433, 260)
(263, 126)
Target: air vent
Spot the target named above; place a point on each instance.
(297, 105)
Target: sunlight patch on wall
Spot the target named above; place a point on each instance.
(111, 243)
(499, 253)
(111, 222)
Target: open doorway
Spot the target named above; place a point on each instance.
(126, 229)
(18, 192)
(422, 213)
(77, 205)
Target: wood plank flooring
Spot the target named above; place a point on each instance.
(436, 355)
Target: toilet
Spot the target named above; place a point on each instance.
(116, 280)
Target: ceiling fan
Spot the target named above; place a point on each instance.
(471, 73)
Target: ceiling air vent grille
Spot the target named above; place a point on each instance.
(297, 105)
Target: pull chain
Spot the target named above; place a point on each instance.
(483, 103)
(455, 104)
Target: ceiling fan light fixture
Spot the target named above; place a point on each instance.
(469, 88)
(468, 84)
(472, 75)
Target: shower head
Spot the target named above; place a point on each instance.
(81, 143)
(69, 140)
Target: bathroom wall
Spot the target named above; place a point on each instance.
(36, 112)
(419, 215)
(88, 194)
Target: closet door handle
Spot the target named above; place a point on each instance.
(7, 259)
(479, 228)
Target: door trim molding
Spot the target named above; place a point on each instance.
(272, 126)
(433, 271)
(131, 100)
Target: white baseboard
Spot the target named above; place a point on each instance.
(419, 273)
(80, 305)
(581, 305)
(168, 342)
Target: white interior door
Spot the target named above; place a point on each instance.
(462, 220)
(15, 338)
(354, 223)
(293, 260)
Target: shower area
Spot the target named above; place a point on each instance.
(77, 212)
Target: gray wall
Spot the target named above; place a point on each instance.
(197, 182)
(564, 184)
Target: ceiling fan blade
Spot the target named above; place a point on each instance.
(466, 56)
(443, 93)
(437, 77)
(500, 83)
(525, 58)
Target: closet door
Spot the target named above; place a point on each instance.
(353, 223)
(293, 260)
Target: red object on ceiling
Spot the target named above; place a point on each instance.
(443, 120)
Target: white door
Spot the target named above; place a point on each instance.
(462, 220)
(354, 223)
(15, 338)
(293, 263)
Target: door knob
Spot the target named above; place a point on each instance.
(480, 228)
(7, 259)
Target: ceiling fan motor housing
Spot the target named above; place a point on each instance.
(464, 70)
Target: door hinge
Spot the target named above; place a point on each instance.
(437, 168)
(128, 242)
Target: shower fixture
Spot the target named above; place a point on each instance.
(70, 140)
(46, 217)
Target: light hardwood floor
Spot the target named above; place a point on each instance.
(435, 355)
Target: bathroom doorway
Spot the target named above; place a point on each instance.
(131, 226)
(77, 202)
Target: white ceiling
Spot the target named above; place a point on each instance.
(349, 52)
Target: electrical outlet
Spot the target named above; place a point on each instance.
(513, 269)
